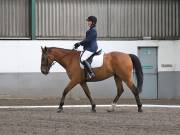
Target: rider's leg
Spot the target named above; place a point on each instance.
(84, 61)
(89, 70)
(86, 54)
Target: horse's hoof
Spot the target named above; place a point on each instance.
(93, 110)
(59, 110)
(140, 110)
(112, 107)
(110, 110)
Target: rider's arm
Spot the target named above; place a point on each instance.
(91, 35)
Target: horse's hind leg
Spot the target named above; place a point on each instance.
(135, 91)
(120, 90)
(88, 94)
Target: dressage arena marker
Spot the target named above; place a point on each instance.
(88, 106)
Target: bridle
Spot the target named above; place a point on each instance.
(47, 58)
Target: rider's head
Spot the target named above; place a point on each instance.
(92, 20)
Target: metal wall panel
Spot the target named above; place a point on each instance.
(67, 18)
(158, 19)
(14, 18)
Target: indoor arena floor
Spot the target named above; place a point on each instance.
(81, 121)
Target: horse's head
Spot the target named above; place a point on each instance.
(47, 60)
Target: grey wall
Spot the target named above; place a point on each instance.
(14, 18)
(67, 18)
(158, 19)
(144, 18)
(33, 85)
(169, 85)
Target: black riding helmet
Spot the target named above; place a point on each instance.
(93, 19)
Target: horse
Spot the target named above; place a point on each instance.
(117, 64)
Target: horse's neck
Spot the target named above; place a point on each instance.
(63, 56)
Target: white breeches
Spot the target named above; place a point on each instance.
(86, 55)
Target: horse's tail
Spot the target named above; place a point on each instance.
(138, 70)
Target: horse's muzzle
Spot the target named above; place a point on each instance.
(44, 71)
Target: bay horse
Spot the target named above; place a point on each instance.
(117, 64)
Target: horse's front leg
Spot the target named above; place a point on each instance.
(66, 90)
(88, 94)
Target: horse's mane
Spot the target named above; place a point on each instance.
(63, 50)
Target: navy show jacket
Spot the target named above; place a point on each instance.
(89, 43)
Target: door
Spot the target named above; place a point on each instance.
(148, 58)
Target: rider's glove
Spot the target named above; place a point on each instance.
(76, 45)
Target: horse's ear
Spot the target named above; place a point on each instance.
(45, 49)
(42, 49)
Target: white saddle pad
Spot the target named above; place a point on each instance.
(96, 62)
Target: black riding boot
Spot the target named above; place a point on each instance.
(89, 70)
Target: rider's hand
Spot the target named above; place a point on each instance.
(76, 45)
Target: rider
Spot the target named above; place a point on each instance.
(89, 44)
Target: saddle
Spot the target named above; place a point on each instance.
(95, 60)
(90, 59)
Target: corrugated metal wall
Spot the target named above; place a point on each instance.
(116, 18)
(66, 18)
(159, 19)
(145, 18)
(14, 18)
